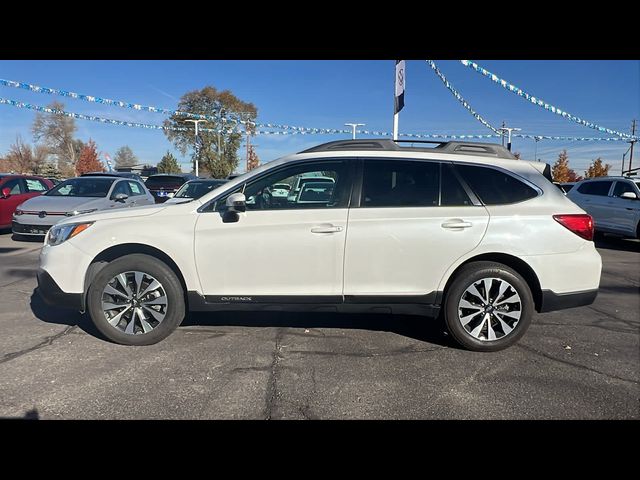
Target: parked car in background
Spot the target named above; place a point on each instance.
(613, 202)
(165, 185)
(54, 181)
(315, 177)
(16, 189)
(195, 189)
(564, 186)
(460, 230)
(77, 196)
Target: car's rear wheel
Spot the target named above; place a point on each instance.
(488, 306)
(136, 300)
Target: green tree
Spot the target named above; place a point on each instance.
(50, 170)
(597, 169)
(56, 132)
(125, 158)
(217, 152)
(88, 161)
(169, 164)
(561, 171)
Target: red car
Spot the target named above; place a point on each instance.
(15, 189)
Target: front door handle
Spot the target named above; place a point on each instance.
(456, 224)
(326, 229)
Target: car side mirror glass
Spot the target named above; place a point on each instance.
(236, 202)
(120, 197)
(629, 195)
(6, 192)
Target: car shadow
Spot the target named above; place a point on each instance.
(611, 242)
(62, 316)
(423, 329)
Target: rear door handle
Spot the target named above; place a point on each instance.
(454, 224)
(326, 229)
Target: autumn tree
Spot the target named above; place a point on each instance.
(254, 161)
(561, 171)
(125, 158)
(217, 152)
(56, 132)
(22, 158)
(88, 161)
(597, 169)
(169, 164)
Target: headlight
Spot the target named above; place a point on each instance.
(80, 212)
(61, 233)
(18, 212)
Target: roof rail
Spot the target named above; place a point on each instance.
(386, 144)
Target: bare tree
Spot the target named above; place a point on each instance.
(56, 131)
(20, 156)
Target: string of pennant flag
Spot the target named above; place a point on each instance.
(539, 102)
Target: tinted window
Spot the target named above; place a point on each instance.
(82, 187)
(164, 181)
(35, 185)
(452, 193)
(15, 186)
(398, 183)
(136, 188)
(494, 187)
(622, 187)
(195, 189)
(330, 191)
(595, 188)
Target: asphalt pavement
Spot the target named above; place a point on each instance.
(582, 363)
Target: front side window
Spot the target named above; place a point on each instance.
(121, 187)
(15, 186)
(494, 187)
(312, 185)
(595, 188)
(622, 187)
(399, 183)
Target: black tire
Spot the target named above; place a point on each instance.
(467, 276)
(175, 310)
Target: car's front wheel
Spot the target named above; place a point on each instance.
(488, 306)
(136, 300)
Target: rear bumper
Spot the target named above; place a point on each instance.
(552, 301)
(53, 295)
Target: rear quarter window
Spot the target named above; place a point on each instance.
(494, 187)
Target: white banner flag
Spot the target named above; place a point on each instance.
(400, 82)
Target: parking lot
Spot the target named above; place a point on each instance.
(582, 363)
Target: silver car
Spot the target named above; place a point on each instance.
(613, 202)
(76, 196)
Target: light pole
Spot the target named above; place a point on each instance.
(509, 130)
(196, 122)
(354, 126)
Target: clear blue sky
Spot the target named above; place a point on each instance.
(326, 94)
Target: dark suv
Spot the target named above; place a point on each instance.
(164, 185)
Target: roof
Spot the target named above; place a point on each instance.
(386, 144)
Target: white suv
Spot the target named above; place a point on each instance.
(462, 229)
(613, 202)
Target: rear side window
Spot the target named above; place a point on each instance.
(494, 187)
(595, 188)
(136, 188)
(35, 185)
(398, 183)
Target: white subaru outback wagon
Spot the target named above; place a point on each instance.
(461, 230)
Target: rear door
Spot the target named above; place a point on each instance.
(593, 199)
(412, 220)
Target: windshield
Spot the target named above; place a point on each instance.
(82, 187)
(197, 189)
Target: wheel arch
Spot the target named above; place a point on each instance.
(117, 251)
(517, 264)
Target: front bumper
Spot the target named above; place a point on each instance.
(552, 301)
(53, 295)
(28, 229)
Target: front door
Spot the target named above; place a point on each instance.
(17, 195)
(623, 212)
(281, 246)
(415, 219)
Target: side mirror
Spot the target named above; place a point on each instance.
(236, 202)
(171, 194)
(6, 192)
(120, 197)
(629, 195)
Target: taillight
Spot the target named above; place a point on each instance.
(581, 224)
